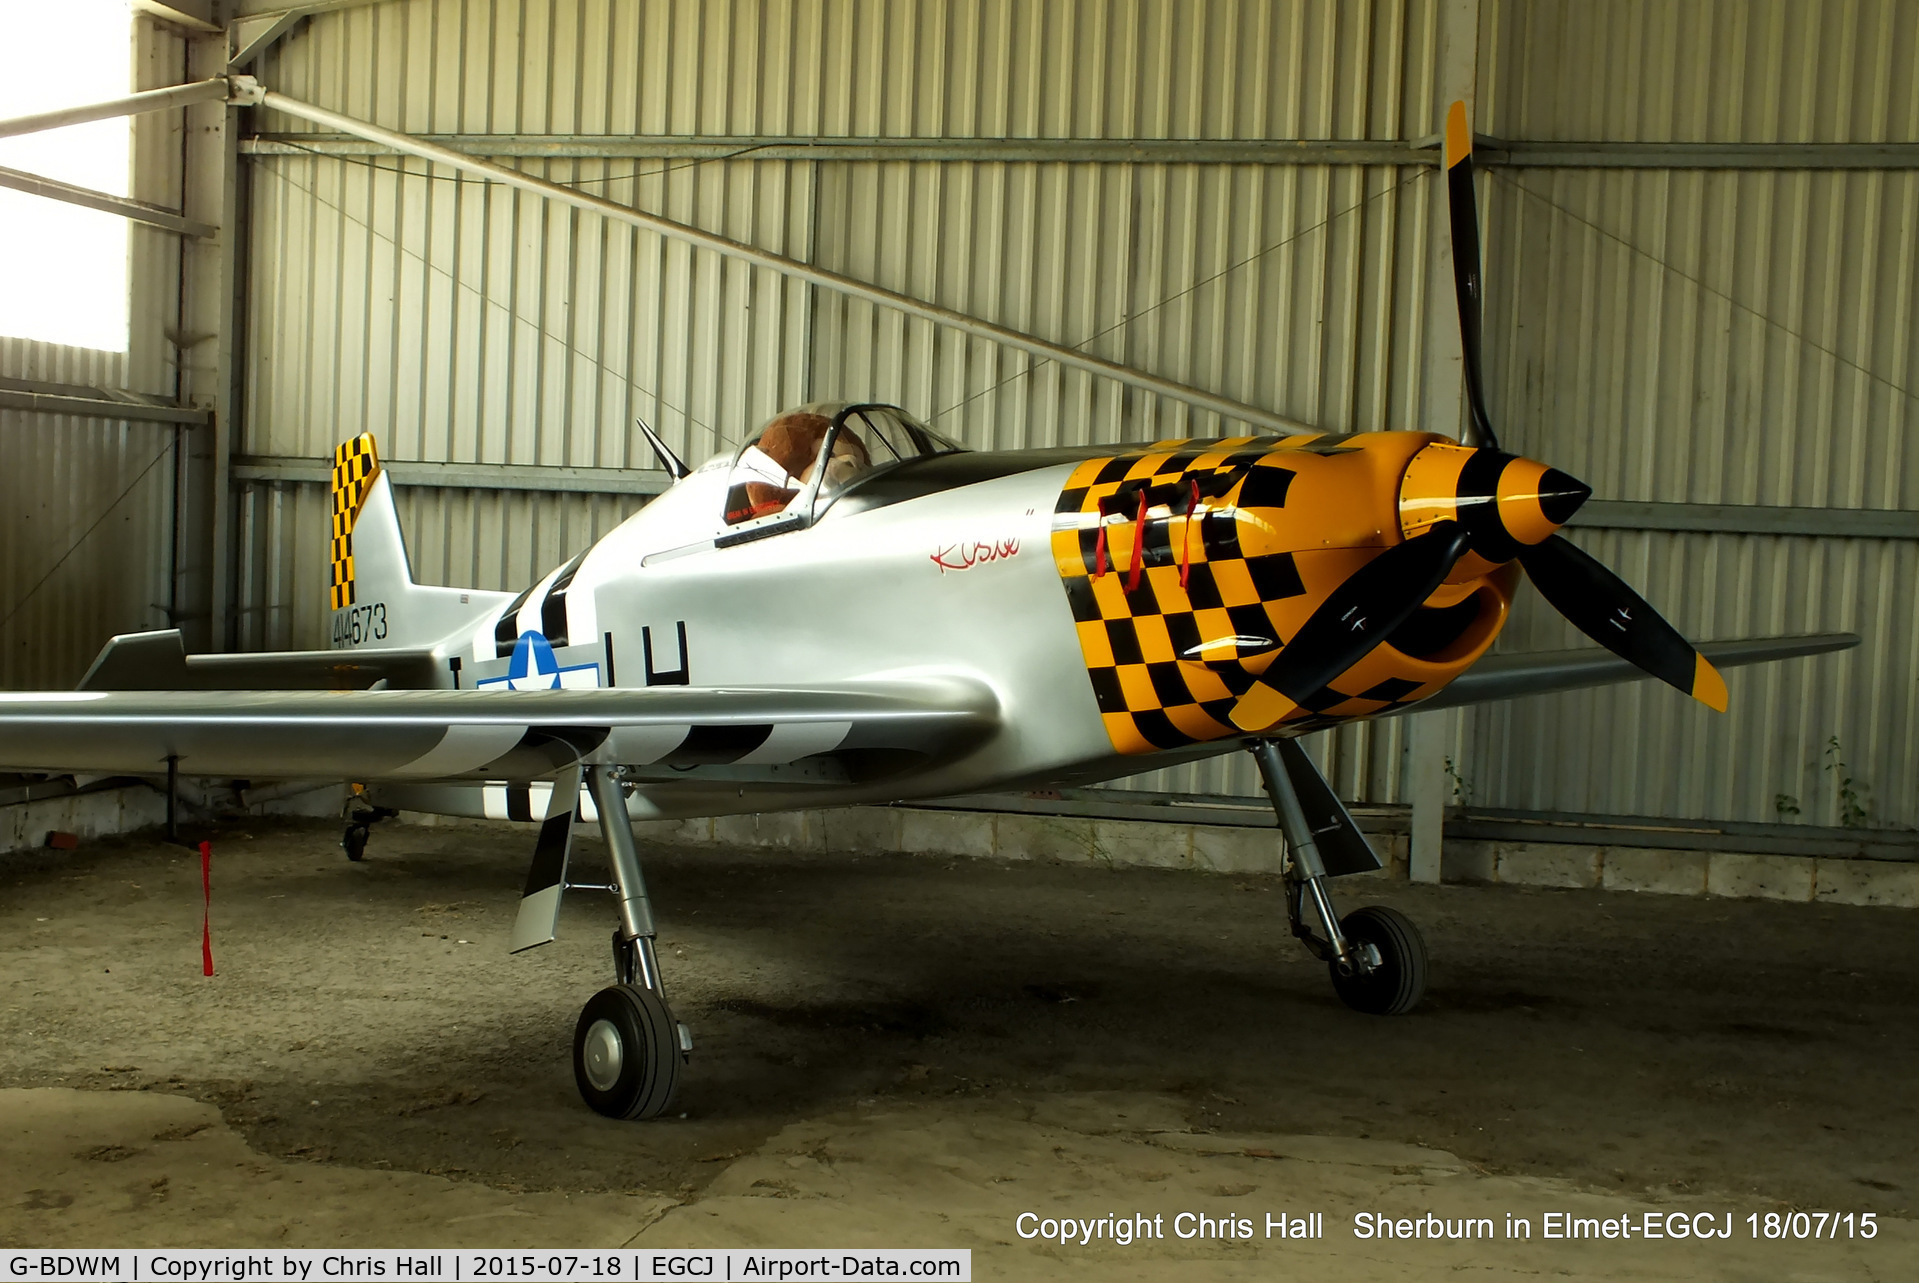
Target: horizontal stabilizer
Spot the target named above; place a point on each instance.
(1542, 672)
(158, 661)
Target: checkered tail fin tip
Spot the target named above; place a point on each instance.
(355, 464)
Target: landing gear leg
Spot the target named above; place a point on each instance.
(1376, 955)
(627, 1047)
(361, 815)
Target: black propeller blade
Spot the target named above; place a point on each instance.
(1600, 605)
(1463, 214)
(1596, 600)
(1356, 617)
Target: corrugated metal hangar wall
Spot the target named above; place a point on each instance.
(63, 590)
(1702, 221)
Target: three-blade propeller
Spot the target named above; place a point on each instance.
(1367, 607)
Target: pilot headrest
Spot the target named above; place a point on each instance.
(793, 440)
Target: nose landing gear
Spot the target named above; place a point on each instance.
(1388, 977)
(1375, 954)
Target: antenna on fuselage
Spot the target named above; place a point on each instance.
(674, 465)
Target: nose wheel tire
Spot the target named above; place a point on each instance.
(1388, 940)
(353, 842)
(626, 1053)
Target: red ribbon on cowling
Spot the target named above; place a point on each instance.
(1186, 538)
(1099, 544)
(1139, 546)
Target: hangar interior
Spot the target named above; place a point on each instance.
(1700, 291)
(1702, 297)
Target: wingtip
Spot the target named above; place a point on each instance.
(1459, 138)
(1708, 687)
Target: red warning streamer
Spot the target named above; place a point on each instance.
(1099, 544)
(1186, 537)
(1139, 546)
(206, 921)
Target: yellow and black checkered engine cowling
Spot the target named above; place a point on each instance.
(1189, 564)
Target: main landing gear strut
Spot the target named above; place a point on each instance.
(1375, 954)
(360, 816)
(627, 1047)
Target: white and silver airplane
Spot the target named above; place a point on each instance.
(852, 609)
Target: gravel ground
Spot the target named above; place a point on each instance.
(367, 1016)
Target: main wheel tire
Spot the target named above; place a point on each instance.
(353, 842)
(1396, 985)
(626, 1053)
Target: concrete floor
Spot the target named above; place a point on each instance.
(907, 1052)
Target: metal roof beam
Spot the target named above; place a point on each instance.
(1119, 151)
(177, 13)
(139, 211)
(257, 24)
(464, 476)
(248, 38)
(214, 90)
(260, 8)
(1115, 151)
(99, 406)
(248, 92)
(1693, 155)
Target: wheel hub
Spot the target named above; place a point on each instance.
(604, 1055)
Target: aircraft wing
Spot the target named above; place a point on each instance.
(463, 734)
(1509, 676)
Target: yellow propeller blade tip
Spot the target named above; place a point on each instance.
(1459, 138)
(1708, 687)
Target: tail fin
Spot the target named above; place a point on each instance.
(374, 599)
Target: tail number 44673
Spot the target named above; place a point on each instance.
(357, 625)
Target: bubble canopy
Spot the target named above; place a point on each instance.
(802, 459)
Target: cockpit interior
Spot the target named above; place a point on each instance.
(802, 459)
